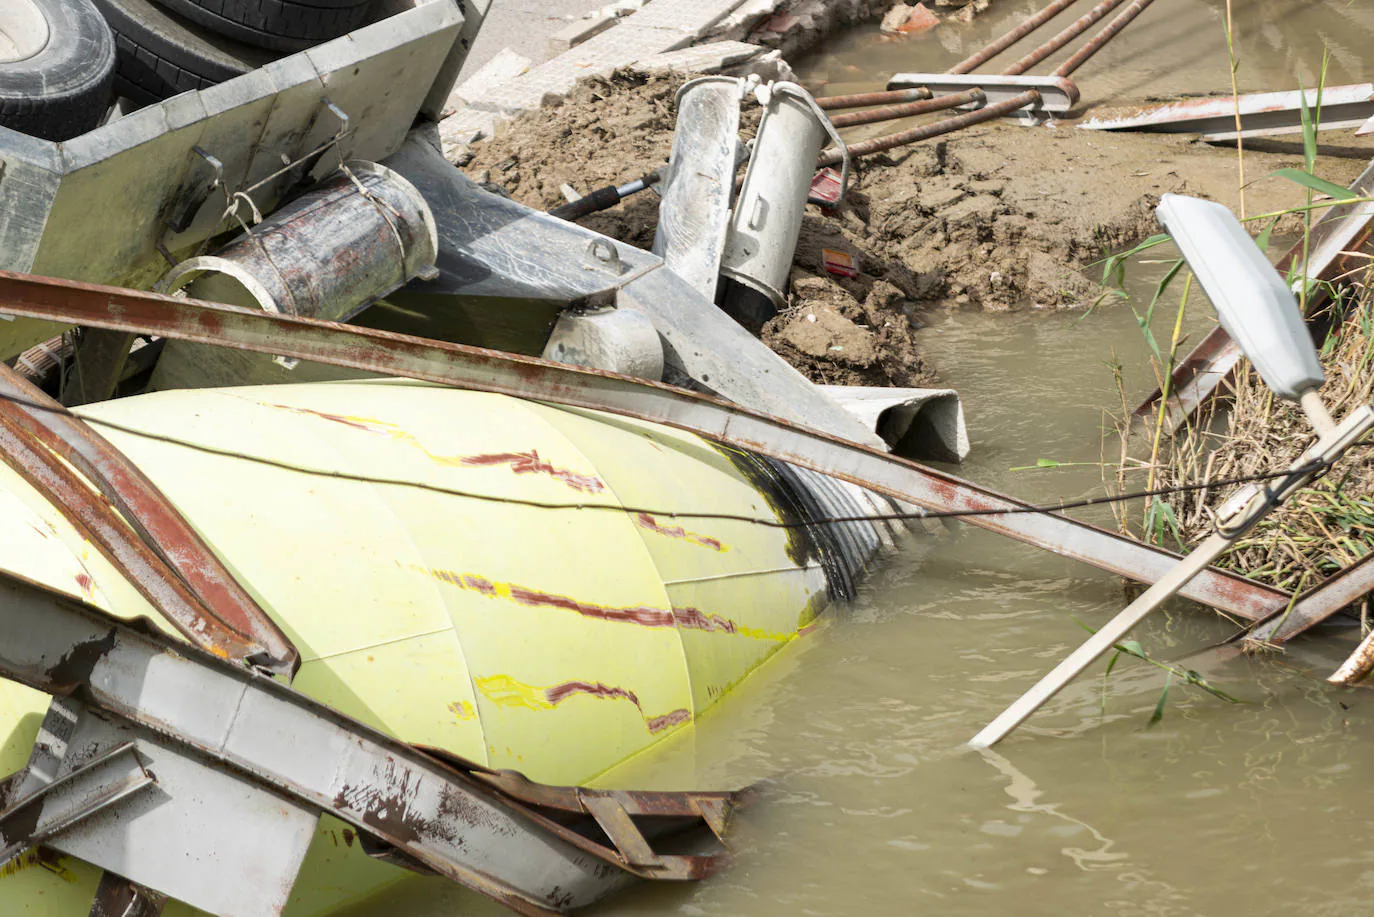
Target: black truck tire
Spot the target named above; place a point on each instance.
(283, 25)
(57, 59)
(162, 55)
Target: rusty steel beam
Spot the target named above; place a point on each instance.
(527, 377)
(864, 99)
(909, 109)
(24, 407)
(98, 524)
(1099, 41)
(1262, 114)
(1332, 251)
(1069, 33)
(994, 48)
(935, 129)
(1314, 606)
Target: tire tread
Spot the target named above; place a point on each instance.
(34, 102)
(283, 25)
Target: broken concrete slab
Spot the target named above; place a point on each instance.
(660, 26)
(707, 58)
(573, 34)
(506, 65)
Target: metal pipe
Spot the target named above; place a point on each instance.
(935, 129)
(974, 61)
(864, 99)
(925, 106)
(763, 232)
(362, 233)
(1076, 28)
(1108, 32)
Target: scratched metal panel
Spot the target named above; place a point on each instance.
(105, 219)
(30, 172)
(443, 715)
(555, 646)
(383, 95)
(397, 596)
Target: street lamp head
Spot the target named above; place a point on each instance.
(1255, 305)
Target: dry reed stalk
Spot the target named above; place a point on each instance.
(1322, 528)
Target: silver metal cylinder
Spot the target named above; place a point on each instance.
(694, 215)
(330, 253)
(767, 220)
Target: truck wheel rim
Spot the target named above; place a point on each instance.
(23, 30)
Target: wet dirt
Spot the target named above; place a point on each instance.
(1000, 217)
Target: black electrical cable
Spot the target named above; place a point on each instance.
(632, 510)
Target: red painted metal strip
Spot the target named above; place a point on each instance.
(528, 377)
(1319, 603)
(99, 525)
(152, 516)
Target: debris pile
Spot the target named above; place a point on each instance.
(956, 223)
(1323, 529)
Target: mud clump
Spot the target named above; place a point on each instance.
(607, 132)
(999, 217)
(834, 338)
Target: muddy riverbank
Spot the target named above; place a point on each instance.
(998, 218)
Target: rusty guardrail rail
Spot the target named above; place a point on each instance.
(527, 377)
(1261, 114)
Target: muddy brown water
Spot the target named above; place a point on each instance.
(873, 804)
(1175, 47)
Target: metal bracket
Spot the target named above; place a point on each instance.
(185, 207)
(1057, 93)
(830, 129)
(118, 897)
(603, 253)
(70, 800)
(249, 733)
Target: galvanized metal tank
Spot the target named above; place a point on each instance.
(510, 581)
